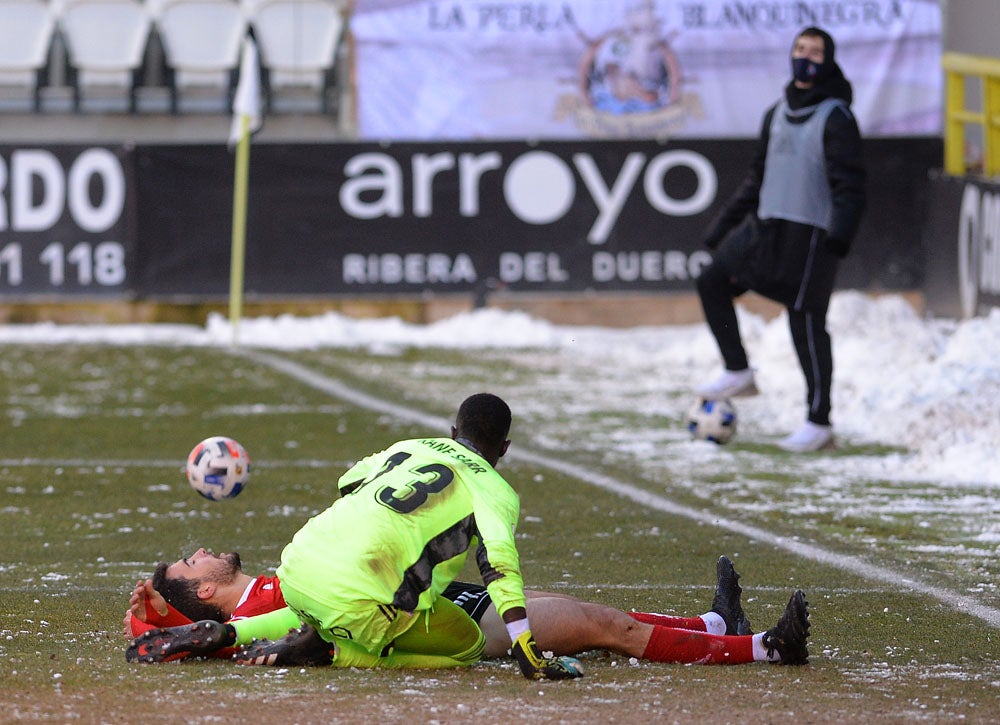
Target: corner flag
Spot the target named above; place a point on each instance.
(246, 120)
(246, 101)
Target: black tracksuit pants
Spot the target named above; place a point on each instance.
(786, 262)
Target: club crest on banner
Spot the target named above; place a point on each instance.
(630, 81)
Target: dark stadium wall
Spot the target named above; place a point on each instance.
(154, 222)
(962, 239)
(961, 236)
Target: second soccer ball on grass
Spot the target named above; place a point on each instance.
(712, 420)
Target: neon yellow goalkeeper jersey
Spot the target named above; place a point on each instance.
(402, 530)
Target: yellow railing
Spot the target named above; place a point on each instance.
(959, 68)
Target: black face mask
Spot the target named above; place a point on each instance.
(805, 70)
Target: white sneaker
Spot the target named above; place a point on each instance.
(731, 384)
(810, 437)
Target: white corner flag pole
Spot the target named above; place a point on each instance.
(246, 120)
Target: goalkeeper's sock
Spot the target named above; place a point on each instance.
(696, 624)
(272, 625)
(687, 647)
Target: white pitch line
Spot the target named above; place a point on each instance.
(955, 600)
(86, 463)
(110, 463)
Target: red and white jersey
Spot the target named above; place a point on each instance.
(262, 595)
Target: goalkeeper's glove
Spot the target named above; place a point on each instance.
(837, 247)
(536, 667)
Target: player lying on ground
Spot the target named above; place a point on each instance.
(214, 587)
(369, 570)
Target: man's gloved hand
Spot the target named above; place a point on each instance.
(837, 247)
(712, 238)
(535, 667)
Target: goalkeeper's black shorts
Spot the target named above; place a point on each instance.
(473, 598)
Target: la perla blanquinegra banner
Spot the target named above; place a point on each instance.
(641, 69)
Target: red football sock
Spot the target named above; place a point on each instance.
(687, 647)
(665, 620)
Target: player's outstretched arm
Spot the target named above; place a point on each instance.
(149, 610)
(145, 602)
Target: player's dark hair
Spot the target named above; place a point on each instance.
(484, 419)
(182, 595)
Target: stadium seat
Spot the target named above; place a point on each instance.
(298, 45)
(201, 47)
(26, 31)
(105, 44)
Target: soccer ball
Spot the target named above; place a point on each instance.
(712, 420)
(218, 468)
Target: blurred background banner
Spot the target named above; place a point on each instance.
(571, 69)
(366, 219)
(67, 220)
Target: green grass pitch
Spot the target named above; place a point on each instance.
(92, 494)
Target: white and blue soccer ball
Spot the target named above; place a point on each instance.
(712, 420)
(218, 468)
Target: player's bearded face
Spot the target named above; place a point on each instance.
(228, 566)
(219, 568)
(203, 565)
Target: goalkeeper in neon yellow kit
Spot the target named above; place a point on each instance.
(368, 572)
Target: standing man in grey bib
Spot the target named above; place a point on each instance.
(784, 231)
